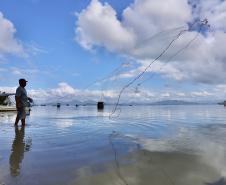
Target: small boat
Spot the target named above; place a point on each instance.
(4, 108)
(58, 105)
(5, 103)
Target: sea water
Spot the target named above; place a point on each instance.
(138, 145)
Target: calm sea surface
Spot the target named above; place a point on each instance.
(140, 145)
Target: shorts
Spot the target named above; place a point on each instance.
(21, 113)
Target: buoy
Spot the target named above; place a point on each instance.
(225, 103)
(58, 105)
(100, 105)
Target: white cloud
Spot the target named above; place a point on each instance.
(63, 90)
(33, 49)
(8, 43)
(98, 25)
(17, 71)
(8, 89)
(202, 94)
(145, 30)
(22, 73)
(220, 88)
(147, 17)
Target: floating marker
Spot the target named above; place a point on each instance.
(100, 105)
(58, 105)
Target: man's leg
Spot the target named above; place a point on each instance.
(17, 120)
(23, 122)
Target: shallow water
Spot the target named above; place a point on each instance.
(143, 145)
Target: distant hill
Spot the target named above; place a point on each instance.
(174, 102)
(221, 103)
(164, 102)
(73, 102)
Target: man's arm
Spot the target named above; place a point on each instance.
(30, 99)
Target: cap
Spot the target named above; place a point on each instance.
(22, 80)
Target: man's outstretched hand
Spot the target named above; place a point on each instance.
(30, 100)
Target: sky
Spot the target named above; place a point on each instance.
(90, 49)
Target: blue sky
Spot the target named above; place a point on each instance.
(63, 46)
(50, 27)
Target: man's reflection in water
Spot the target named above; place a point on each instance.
(19, 146)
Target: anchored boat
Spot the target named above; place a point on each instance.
(100, 105)
(5, 103)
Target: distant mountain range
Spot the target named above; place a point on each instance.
(165, 102)
(222, 103)
(174, 102)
